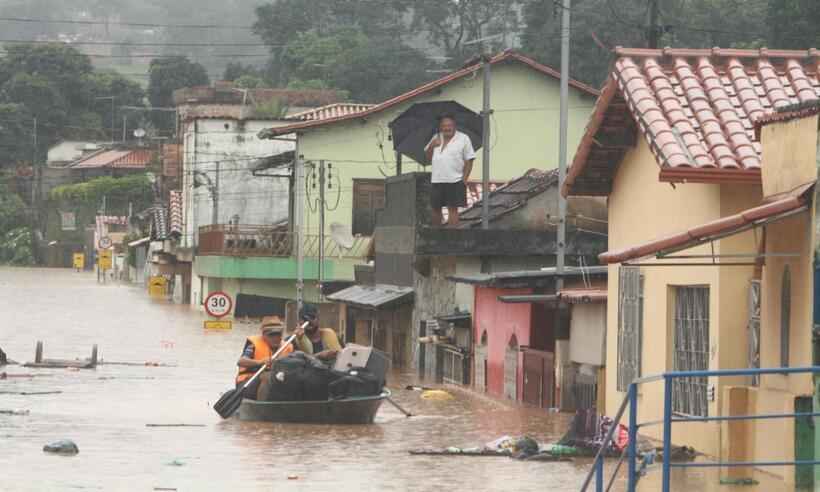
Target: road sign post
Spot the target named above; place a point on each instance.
(218, 305)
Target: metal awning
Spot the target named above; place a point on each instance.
(762, 215)
(373, 296)
(566, 296)
(525, 276)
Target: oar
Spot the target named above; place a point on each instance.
(230, 401)
(405, 412)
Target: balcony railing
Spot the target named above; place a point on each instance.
(252, 240)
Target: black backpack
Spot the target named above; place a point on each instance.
(356, 381)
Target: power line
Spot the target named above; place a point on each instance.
(128, 43)
(123, 24)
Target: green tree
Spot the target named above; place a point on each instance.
(125, 93)
(16, 136)
(167, 75)
(793, 24)
(16, 245)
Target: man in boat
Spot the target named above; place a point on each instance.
(258, 352)
(319, 342)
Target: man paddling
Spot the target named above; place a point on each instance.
(258, 352)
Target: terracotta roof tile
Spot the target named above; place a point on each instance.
(116, 159)
(330, 111)
(696, 108)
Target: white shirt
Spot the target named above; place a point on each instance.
(448, 160)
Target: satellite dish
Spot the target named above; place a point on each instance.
(342, 235)
(139, 133)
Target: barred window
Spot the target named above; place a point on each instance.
(691, 347)
(630, 325)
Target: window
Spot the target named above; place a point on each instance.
(368, 197)
(630, 325)
(691, 350)
(785, 316)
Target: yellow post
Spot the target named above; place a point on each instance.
(79, 261)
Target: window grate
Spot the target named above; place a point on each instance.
(691, 346)
(630, 325)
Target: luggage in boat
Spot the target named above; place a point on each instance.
(356, 382)
(299, 377)
(358, 356)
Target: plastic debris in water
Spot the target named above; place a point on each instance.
(436, 395)
(64, 446)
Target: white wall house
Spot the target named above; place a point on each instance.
(221, 153)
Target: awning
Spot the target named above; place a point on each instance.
(139, 242)
(567, 296)
(525, 277)
(717, 229)
(373, 296)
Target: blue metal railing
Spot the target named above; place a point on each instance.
(631, 451)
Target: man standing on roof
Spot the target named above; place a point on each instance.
(451, 153)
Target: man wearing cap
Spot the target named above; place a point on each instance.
(258, 352)
(319, 342)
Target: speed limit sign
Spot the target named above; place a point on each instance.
(218, 304)
(105, 242)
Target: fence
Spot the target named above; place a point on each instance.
(251, 240)
(669, 379)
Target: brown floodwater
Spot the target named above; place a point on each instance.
(105, 411)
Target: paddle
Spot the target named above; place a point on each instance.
(405, 412)
(229, 402)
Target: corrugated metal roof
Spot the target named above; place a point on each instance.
(116, 159)
(330, 111)
(373, 296)
(500, 277)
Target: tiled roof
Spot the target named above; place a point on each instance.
(511, 196)
(696, 109)
(116, 159)
(714, 230)
(159, 223)
(506, 56)
(330, 111)
(175, 212)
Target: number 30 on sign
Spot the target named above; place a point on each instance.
(218, 304)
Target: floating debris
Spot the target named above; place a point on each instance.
(438, 395)
(175, 425)
(293, 477)
(64, 446)
(136, 364)
(29, 393)
(176, 463)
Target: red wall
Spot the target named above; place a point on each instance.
(500, 320)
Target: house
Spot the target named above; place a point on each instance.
(418, 309)
(535, 343)
(65, 152)
(525, 102)
(236, 199)
(710, 239)
(114, 162)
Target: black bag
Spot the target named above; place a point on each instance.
(287, 378)
(357, 381)
(317, 378)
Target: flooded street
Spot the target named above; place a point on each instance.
(105, 410)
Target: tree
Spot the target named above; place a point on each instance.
(16, 136)
(167, 75)
(125, 93)
(793, 23)
(16, 245)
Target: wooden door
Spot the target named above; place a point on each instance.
(368, 198)
(533, 380)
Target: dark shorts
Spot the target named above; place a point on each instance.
(250, 391)
(448, 195)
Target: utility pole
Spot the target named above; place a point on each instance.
(34, 168)
(562, 151)
(653, 33)
(215, 196)
(124, 118)
(485, 146)
(298, 226)
(321, 224)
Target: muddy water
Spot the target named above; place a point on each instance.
(105, 411)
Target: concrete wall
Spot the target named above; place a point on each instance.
(640, 209)
(789, 154)
(525, 132)
(235, 145)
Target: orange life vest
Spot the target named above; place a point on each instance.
(262, 353)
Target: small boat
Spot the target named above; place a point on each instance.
(353, 410)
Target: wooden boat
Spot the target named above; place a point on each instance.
(354, 410)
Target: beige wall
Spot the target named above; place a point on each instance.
(641, 209)
(789, 161)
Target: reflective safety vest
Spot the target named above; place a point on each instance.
(262, 353)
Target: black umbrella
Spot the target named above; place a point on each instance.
(413, 129)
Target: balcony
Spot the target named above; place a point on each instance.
(275, 241)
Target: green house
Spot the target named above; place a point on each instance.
(353, 144)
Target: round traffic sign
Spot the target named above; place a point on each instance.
(218, 304)
(105, 242)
